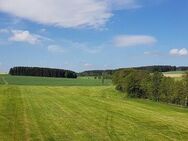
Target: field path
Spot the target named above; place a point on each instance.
(4, 80)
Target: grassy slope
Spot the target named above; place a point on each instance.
(44, 81)
(29, 113)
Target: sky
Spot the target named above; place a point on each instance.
(93, 34)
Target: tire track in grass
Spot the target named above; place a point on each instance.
(96, 109)
(52, 113)
(161, 120)
(13, 105)
(46, 110)
(35, 128)
(3, 118)
(92, 104)
(4, 81)
(25, 118)
(56, 98)
(2, 102)
(135, 121)
(136, 114)
(68, 114)
(12, 110)
(41, 102)
(109, 127)
(85, 120)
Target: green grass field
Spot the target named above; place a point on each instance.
(46, 81)
(83, 113)
(175, 72)
(31, 113)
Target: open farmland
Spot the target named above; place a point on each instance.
(46, 81)
(46, 113)
(174, 74)
(93, 70)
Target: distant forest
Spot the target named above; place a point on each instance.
(43, 72)
(146, 68)
(52, 72)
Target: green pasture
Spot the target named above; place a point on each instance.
(48, 81)
(44, 113)
(50, 109)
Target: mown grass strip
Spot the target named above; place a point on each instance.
(85, 113)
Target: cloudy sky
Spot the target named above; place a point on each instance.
(93, 34)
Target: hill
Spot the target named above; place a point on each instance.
(160, 68)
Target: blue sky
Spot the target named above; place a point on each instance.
(93, 34)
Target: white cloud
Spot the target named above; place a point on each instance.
(43, 30)
(153, 53)
(82, 46)
(123, 4)
(174, 52)
(87, 65)
(91, 50)
(134, 40)
(66, 13)
(24, 36)
(179, 52)
(4, 30)
(55, 49)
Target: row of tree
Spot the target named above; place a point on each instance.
(154, 86)
(157, 68)
(43, 72)
(97, 73)
(162, 68)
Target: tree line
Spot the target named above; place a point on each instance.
(43, 72)
(160, 68)
(97, 73)
(153, 86)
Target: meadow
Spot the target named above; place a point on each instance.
(175, 74)
(49, 81)
(32, 112)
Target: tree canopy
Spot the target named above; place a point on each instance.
(154, 86)
(43, 72)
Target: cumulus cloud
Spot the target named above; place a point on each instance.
(55, 49)
(24, 36)
(178, 52)
(133, 40)
(66, 13)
